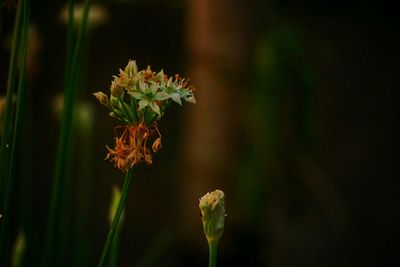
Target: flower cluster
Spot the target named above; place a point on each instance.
(138, 99)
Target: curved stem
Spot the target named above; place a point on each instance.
(212, 260)
(117, 217)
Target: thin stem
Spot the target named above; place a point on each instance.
(117, 217)
(212, 259)
(65, 136)
(114, 249)
(1, 14)
(134, 111)
(5, 147)
(17, 127)
(70, 40)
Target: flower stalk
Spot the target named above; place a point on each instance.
(116, 196)
(212, 252)
(117, 217)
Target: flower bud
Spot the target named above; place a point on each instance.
(116, 90)
(102, 98)
(212, 207)
(131, 69)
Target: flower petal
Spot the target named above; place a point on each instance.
(176, 97)
(143, 87)
(143, 103)
(190, 99)
(136, 95)
(153, 105)
(161, 96)
(153, 88)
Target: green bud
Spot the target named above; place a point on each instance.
(115, 102)
(212, 207)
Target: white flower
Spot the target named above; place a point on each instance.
(148, 94)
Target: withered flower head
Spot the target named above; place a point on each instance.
(139, 99)
(131, 147)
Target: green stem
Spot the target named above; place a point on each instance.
(212, 259)
(65, 137)
(5, 147)
(25, 5)
(134, 111)
(70, 40)
(117, 216)
(126, 110)
(114, 249)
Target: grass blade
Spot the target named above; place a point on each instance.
(65, 136)
(8, 153)
(5, 148)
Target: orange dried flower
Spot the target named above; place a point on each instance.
(131, 147)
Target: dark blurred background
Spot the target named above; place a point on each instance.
(295, 120)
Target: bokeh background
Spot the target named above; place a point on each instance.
(295, 120)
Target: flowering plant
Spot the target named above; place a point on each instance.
(139, 99)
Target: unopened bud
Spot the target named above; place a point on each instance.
(131, 69)
(102, 98)
(116, 90)
(212, 207)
